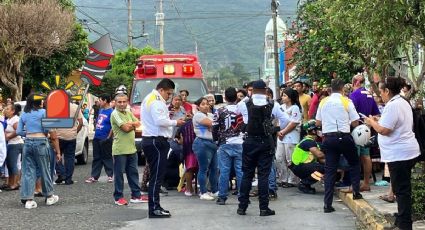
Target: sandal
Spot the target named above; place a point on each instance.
(387, 198)
(38, 194)
(382, 183)
(12, 188)
(253, 194)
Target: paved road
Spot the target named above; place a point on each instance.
(84, 206)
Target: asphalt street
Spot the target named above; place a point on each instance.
(90, 206)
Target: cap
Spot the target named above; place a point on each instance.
(310, 125)
(121, 89)
(259, 84)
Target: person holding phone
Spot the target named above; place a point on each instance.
(398, 145)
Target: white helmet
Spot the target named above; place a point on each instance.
(121, 89)
(361, 135)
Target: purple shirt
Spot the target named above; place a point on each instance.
(363, 102)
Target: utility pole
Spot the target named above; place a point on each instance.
(274, 6)
(160, 24)
(129, 28)
(259, 72)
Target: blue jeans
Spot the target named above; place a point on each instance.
(35, 154)
(226, 154)
(13, 151)
(67, 148)
(272, 178)
(52, 162)
(206, 153)
(102, 157)
(127, 164)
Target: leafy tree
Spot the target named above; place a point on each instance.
(372, 34)
(233, 75)
(321, 48)
(59, 63)
(123, 65)
(29, 29)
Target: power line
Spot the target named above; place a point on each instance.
(103, 27)
(172, 1)
(186, 26)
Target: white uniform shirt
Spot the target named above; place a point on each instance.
(260, 99)
(400, 144)
(334, 116)
(295, 116)
(154, 116)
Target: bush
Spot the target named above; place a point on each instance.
(418, 192)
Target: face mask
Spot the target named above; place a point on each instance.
(319, 133)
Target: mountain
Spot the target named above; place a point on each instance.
(225, 31)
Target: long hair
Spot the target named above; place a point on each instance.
(32, 104)
(293, 96)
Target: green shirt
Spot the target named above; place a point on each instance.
(124, 143)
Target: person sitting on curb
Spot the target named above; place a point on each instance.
(308, 160)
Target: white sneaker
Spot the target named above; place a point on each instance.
(30, 204)
(52, 200)
(215, 195)
(206, 196)
(188, 193)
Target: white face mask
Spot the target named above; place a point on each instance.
(319, 133)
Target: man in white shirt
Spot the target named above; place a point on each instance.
(156, 129)
(335, 114)
(257, 147)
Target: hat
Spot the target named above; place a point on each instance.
(310, 125)
(259, 84)
(121, 89)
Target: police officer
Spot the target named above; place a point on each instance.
(156, 129)
(257, 147)
(335, 114)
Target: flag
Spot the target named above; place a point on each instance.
(98, 60)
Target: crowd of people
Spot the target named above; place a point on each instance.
(295, 141)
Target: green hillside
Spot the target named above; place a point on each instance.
(225, 31)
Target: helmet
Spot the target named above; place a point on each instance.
(361, 135)
(121, 89)
(310, 125)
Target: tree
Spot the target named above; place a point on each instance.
(321, 48)
(233, 75)
(123, 65)
(62, 62)
(27, 29)
(375, 34)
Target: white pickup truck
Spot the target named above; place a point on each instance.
(82, 146)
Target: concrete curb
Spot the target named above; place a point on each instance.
(370, 218)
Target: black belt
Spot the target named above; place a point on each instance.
(336, 134)
(157, 137)
(257, 137)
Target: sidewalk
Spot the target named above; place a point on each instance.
(373, 212)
